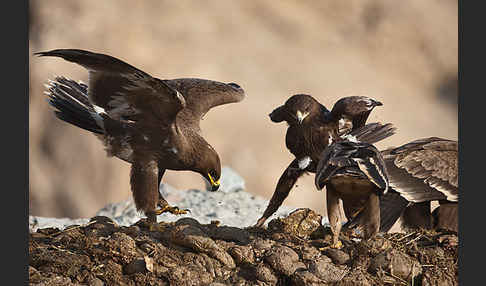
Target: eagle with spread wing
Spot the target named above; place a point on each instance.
(151, 123)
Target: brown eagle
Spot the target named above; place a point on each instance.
(422, 171)
(354, 172)
(311, 128)
(151, 123)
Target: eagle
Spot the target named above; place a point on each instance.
(151, 123)
(354, 172)
(312, 127)
(422, 171)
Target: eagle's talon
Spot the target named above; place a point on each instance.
(173, 210)
(337, 245)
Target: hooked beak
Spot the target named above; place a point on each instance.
(301, 116)
(214, 184)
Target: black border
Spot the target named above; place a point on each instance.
(15, 140)
(471, 144)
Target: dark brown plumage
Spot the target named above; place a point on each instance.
(353, 111)
(354, 172)
(148, 122)
(311, 128)
(422, 171)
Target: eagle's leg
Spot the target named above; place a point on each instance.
(162, 203)
(144, 187)
(282, 190)
(334, 215)
(371, 216)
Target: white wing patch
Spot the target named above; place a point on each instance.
(304, 162)
(98, 109)
(351, 138)
(342, 123)
(97, 115)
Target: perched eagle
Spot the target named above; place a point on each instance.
(311, 128)
(354, 172)
(151, 123)
(419, 172)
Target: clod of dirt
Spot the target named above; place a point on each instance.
(309, 253)
(193, 237)
(139, 265)
(397, 264)
(303, 277)
(242, 254)
(356, 278)
(283, 260)
(300, 223)
(324, 269)
(229, 233)
(338, 256)
(266, 274)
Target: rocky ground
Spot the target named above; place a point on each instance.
(292, 250)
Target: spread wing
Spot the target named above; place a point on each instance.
(201, 95)
(123, 91)
(353, 110)
(353, 158)
(424, 170)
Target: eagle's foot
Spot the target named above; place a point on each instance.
(336, 245)
(171, 209)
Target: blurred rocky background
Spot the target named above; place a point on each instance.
(403, 53)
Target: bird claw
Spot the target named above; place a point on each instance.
(337, 245)
(173, 210)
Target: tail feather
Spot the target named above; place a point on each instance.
(81, 89)
(374, 132)
(71, 101)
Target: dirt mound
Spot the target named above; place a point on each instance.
(291, 251)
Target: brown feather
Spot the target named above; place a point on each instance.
(421, 171)
(430, 159)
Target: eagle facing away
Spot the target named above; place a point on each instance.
(151, 123)
(354, 172)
